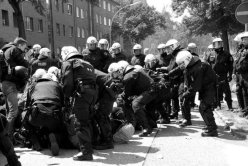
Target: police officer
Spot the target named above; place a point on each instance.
(241, 67)
(236, 74)
(176, 75)
(137, 86)
(117, 54)
(151, 64)
(103, 44)
(15, 78)
(79, 82)
(223, 66)
(200, 78)
(106, 98)
(138, 58)
(43, 61)
(6, 145)
(36, 51)
(95, 56)
(45, 99)
(164, 57)
(192, 48)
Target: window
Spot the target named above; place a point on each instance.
(78, 32)
(5, 17)
(96, 18)
(69, 9)
(79, 49)
(100, 19)
(109, 7)
(64, 30)
(70, 31)
(82, 13)
(97, 35)
(77, 11)
(29, 23)
(100, 34)
(15, 22)
(104, 4)
(83, 34)
(56, 2)
(63, 7)
(109, 22)
(100, 3)
(40, 25)
(57, 29)
(105, 21)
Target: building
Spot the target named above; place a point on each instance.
(63, 23)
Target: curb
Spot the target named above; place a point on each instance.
(230, 126)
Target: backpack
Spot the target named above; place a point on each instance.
(3, 67)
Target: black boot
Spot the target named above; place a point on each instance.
(145, 132)
(163, 121)
(86, 154)
(209, 133)
(54, 145)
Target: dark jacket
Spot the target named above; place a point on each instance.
(223, 64)
(74, 69)
(118, 57)
(241, 66)
(201, 78)
(138, 60)
(45, 91)
(97, 58)
(43, 62)
(135, 82)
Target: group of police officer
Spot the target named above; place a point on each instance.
(94, 98)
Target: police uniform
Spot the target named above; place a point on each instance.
(97, 58)
(138, 60)
(43, 62)
(239, 85)
(176, 77)
(105, 105)
(137, 84)
(241, 69)
(119, 57)
(201, 78)
(79, 82)
(223, 67)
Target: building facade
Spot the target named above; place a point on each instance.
(63, 24)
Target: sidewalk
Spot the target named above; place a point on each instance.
(238, 126)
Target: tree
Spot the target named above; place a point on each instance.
(210, 16)
(16, 5)
(138, 21)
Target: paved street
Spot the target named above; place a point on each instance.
(169, 145)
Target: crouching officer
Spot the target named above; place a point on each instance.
(200, 77)
(79, 82)
(6, 145)
(136, 83)
(45, 100)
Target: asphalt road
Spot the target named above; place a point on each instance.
(169, 145)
